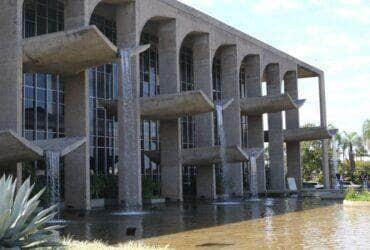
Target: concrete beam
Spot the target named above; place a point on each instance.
(269, 104)
(67, 52)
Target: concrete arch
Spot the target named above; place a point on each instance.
(157, 20)
(92, 4)
(220, 48)
(265, 68)
(287, 68)
(191, 36)
(251, 59)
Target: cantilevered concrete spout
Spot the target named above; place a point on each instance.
(269, 104)
(211, 155)
(309, 134)
(173, 106)
(14, 148)
(67, 52)
(62, 145)
(306, 134)
(168, 107)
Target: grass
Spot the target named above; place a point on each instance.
(353, 195)
(97, 245)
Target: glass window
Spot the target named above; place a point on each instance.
(103, 86)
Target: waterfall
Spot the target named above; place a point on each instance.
(127, 98)
(335, 163)
(253, 178)
(52, 160)
(221, 134)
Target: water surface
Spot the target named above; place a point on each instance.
(276, 223)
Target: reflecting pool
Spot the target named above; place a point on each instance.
(277, 223)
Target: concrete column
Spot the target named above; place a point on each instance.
(292, 122)
(11, 74)
(77, 14)
(230, 84)
(275, 122)
(170, 131)
(323, 121)
(129, 166)
(77, 164)
(255, 123)
(206, 177)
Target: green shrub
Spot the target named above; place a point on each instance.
(104, 186)
(353, 195)
(21, 226)
(150, 188)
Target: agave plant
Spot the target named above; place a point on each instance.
(22, 225)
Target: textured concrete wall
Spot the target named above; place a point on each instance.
(255, 123)
(294, 169)
(275, 123)
(77, 164)
(170, 131)
(230, 81)
(206, 177)
(11, 72)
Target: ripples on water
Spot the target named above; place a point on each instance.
(284, 223)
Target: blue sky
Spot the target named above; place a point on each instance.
(333, 35)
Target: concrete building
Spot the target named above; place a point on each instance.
(60, 78)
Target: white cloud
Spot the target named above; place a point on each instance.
(264, 6)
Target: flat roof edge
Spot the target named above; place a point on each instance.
(234, 31)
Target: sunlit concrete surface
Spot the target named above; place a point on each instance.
(67, 52)
(268, 104)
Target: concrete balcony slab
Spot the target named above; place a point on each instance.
(269, 104)
(211, 155)
(62, 145)
(67, 52)
(14, 148)
(306, 134)
(173, 106)
(309, 134)
(168, 107)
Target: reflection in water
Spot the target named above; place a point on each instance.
(281, 223)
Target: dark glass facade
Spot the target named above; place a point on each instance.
(42, 17)
(43, 94)
(103, 86)
(243, 83)
(188, 123)
(149, 86)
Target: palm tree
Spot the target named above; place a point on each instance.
(366, 133)
(354, 141)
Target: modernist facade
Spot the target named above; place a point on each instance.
(60, 77)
